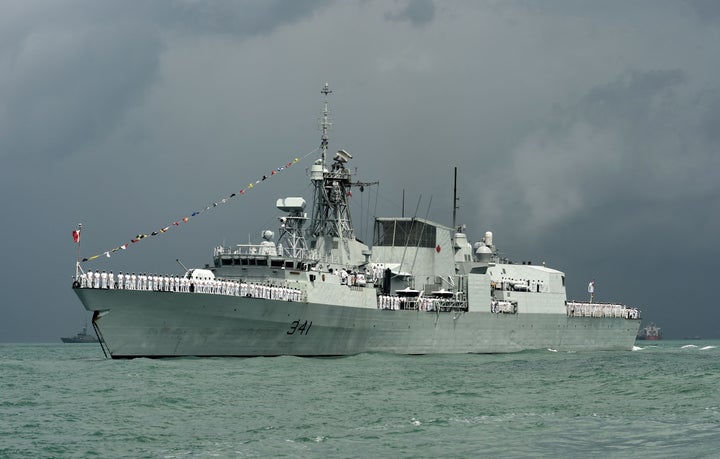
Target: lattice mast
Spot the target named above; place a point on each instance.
(331, 213)
(292, 230)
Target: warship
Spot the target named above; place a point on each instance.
(80, 337)
(421, 287)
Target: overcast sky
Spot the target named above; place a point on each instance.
(586, 134)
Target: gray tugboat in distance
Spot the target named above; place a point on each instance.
(420, 288)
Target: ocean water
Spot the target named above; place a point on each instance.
(68, 401)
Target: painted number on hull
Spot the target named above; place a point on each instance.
(299, 328)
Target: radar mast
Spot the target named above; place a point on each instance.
(325, 124)
(331, 228)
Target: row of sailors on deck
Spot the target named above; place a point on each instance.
(154, 282)
(422, 303)
(132, 282)
(601, 310)
(391, 302)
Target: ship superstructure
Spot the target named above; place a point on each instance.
(421, 288)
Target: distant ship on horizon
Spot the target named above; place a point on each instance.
(81, 337)
(650, 333)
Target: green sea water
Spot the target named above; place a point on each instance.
(68, 401)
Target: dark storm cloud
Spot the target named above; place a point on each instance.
(417, 12)
(67, 88)
(72, 70)
(633, 142)
(240, 18)
(708, 10)
(637, 96)
(710, 115)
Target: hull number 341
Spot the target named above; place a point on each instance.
(301, 328)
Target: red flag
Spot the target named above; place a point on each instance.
(76, 236)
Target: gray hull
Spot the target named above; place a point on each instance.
(165, 324)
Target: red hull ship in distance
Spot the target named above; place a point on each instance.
(650, 333)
